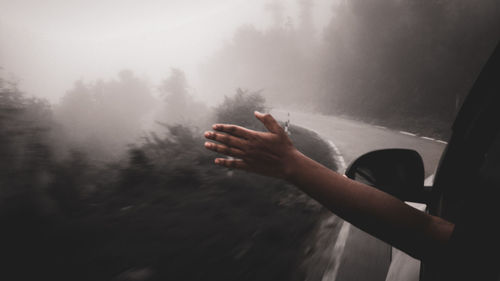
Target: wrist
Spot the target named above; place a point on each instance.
(291, 167)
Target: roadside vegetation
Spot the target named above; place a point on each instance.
(158, 211)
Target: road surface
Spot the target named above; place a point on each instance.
(356, 255)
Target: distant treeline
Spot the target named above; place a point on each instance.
(407, 64)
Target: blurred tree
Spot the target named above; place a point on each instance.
(105, 116)
(278, 59)
(175, 92)
(25, 153)
(180, 107)
(239, 109)
(403, 61)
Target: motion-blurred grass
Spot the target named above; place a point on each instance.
(165, 212)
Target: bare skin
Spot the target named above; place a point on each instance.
(272, 154)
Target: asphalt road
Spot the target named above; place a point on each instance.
(357, 255)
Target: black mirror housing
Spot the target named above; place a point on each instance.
(399, 172)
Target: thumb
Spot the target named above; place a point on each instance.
(269, 121)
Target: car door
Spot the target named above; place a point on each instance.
(460, 187)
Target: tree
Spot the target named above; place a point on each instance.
(279, 60)
(25, 150)
(179, 105)
(239, 109)
(104, 116)
(399, 61)
(174, 91)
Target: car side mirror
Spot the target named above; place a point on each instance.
(399, 172)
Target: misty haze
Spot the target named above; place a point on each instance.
(103, 106)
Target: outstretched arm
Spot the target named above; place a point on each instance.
(380, 214)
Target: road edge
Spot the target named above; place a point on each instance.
(330, 239)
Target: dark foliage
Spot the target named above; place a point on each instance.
(164, 212)
(25, 157)
(240, 108)
(407, 64)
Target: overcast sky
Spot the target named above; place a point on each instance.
(49, 44)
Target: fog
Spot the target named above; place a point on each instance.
(48, 45)
(328, 56)
(103, 105)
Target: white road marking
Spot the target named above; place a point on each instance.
(440, 141)
(429, 180)
(338, 251)
(338, 157)
(427, 138)
(408, 133)
(332, 269)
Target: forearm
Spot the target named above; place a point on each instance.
(370, 209)
(382, 215)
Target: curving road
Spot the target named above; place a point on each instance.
(352, 254)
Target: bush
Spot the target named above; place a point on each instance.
(164, 209)
(239, 109)
(25, 154)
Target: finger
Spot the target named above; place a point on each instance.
(224, 149)
(269, 121)
(232, 163)
(234, 130)
(226, 139)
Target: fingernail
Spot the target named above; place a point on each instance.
(208, 134)
(217, 161)
(215, 126)
(207, 144)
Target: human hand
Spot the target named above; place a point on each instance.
(268, 153)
